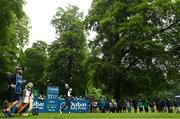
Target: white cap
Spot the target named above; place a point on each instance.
(66, 85)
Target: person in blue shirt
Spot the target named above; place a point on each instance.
(15, 83)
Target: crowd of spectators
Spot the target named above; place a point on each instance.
(163, 105)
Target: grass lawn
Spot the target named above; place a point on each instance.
(100, 115)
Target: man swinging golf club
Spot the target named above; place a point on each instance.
(68, 91)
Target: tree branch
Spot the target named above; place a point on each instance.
(162, 30)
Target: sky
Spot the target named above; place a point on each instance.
(41, 13)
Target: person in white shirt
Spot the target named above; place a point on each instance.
(68, 91)
(27, 100)
(26, 103)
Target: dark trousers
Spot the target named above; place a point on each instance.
(68, 104)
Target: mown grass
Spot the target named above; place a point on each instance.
(100, 115)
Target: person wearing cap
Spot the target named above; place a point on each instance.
(68, 91)
(27, 99)
(15, 83)
(24, 105)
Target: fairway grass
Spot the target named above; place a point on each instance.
(100, 116)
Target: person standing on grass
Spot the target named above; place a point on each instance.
(151, 105)
(135, 104)
(140, 105)
(146, 105)
(68, 91)
(128, 103)
(15, 83)
(23, 106)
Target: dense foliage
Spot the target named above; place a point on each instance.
(13, 37)
(35, 62)
(137, 46)
(68, 53)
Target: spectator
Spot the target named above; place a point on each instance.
(164, 105)
(176, 104)
(95, 105)
(145, 103)
(135, 104)
(124, 106)
(102, 106)
(110, 106)
(128, 103)
(119, 106)
(114, 105)
(5, 104)
(91, 104)
(158, 105)
(41, 97)
(140, 105)
(151, 105)
(169, 106)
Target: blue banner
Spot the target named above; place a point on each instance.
(40, 104)
(77, 105)
(18, 84)
(52, 99)
(52, 103)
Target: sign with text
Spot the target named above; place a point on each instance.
(40, 104)
(52, 103)
(77, 105)
(52, 99)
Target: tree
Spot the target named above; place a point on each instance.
(13, 32)
(13, 36)
(68, 52)
(35, 63)
(136, 46)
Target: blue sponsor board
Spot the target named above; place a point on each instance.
(40, 104)
(53, 104)
(19, 83)
(77, 105)
(52, 99)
